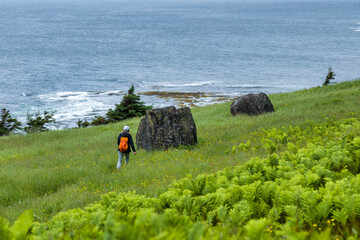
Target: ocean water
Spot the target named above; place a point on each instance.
(79, 58)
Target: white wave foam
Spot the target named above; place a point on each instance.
(246, 86)
(105, 93)
(71, 106)
(176, 85)
(115, 92)
(195, 84)
(78, 96)
(29, 94)
(77, 110)
(63, 96)
(355, 29)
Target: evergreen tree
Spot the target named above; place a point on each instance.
(83, 123)
(329, 77)
(36, 122)
(100, 120)
(129, 107)
(7, 123)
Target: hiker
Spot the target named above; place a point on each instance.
(124, 143)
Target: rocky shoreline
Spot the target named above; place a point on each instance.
(189, 99)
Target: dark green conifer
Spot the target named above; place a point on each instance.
(100, 120)
(129, 107)
(83, 123)
(7, 123)
(36, 122)
(330, 76)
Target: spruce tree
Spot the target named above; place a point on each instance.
(100, 120)
(329, 77)
(7, 123)
(36, 122)
(83, 123)
(130, 106)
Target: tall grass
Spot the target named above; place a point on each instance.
(54, 171)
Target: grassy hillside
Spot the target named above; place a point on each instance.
(55, 171)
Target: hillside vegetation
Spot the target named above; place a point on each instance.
(292, 173)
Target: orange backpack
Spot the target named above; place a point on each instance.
(123, 146)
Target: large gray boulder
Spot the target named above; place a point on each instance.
(252, 104)
(162, 128)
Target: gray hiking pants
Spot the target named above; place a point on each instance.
(121, 155)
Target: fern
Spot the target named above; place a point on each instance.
(5, 231)
(256, 229)
(340, 215)
(240, 214)
(307, 187)
(22, 225)
(325, 207)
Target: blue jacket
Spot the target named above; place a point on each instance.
(130, 141)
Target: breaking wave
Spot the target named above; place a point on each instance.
(175, 85)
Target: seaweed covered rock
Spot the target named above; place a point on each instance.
(252, 104)
(162, 128)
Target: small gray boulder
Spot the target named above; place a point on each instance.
(162, 128)
(252, 104)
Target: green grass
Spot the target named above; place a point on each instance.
(58, 170)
